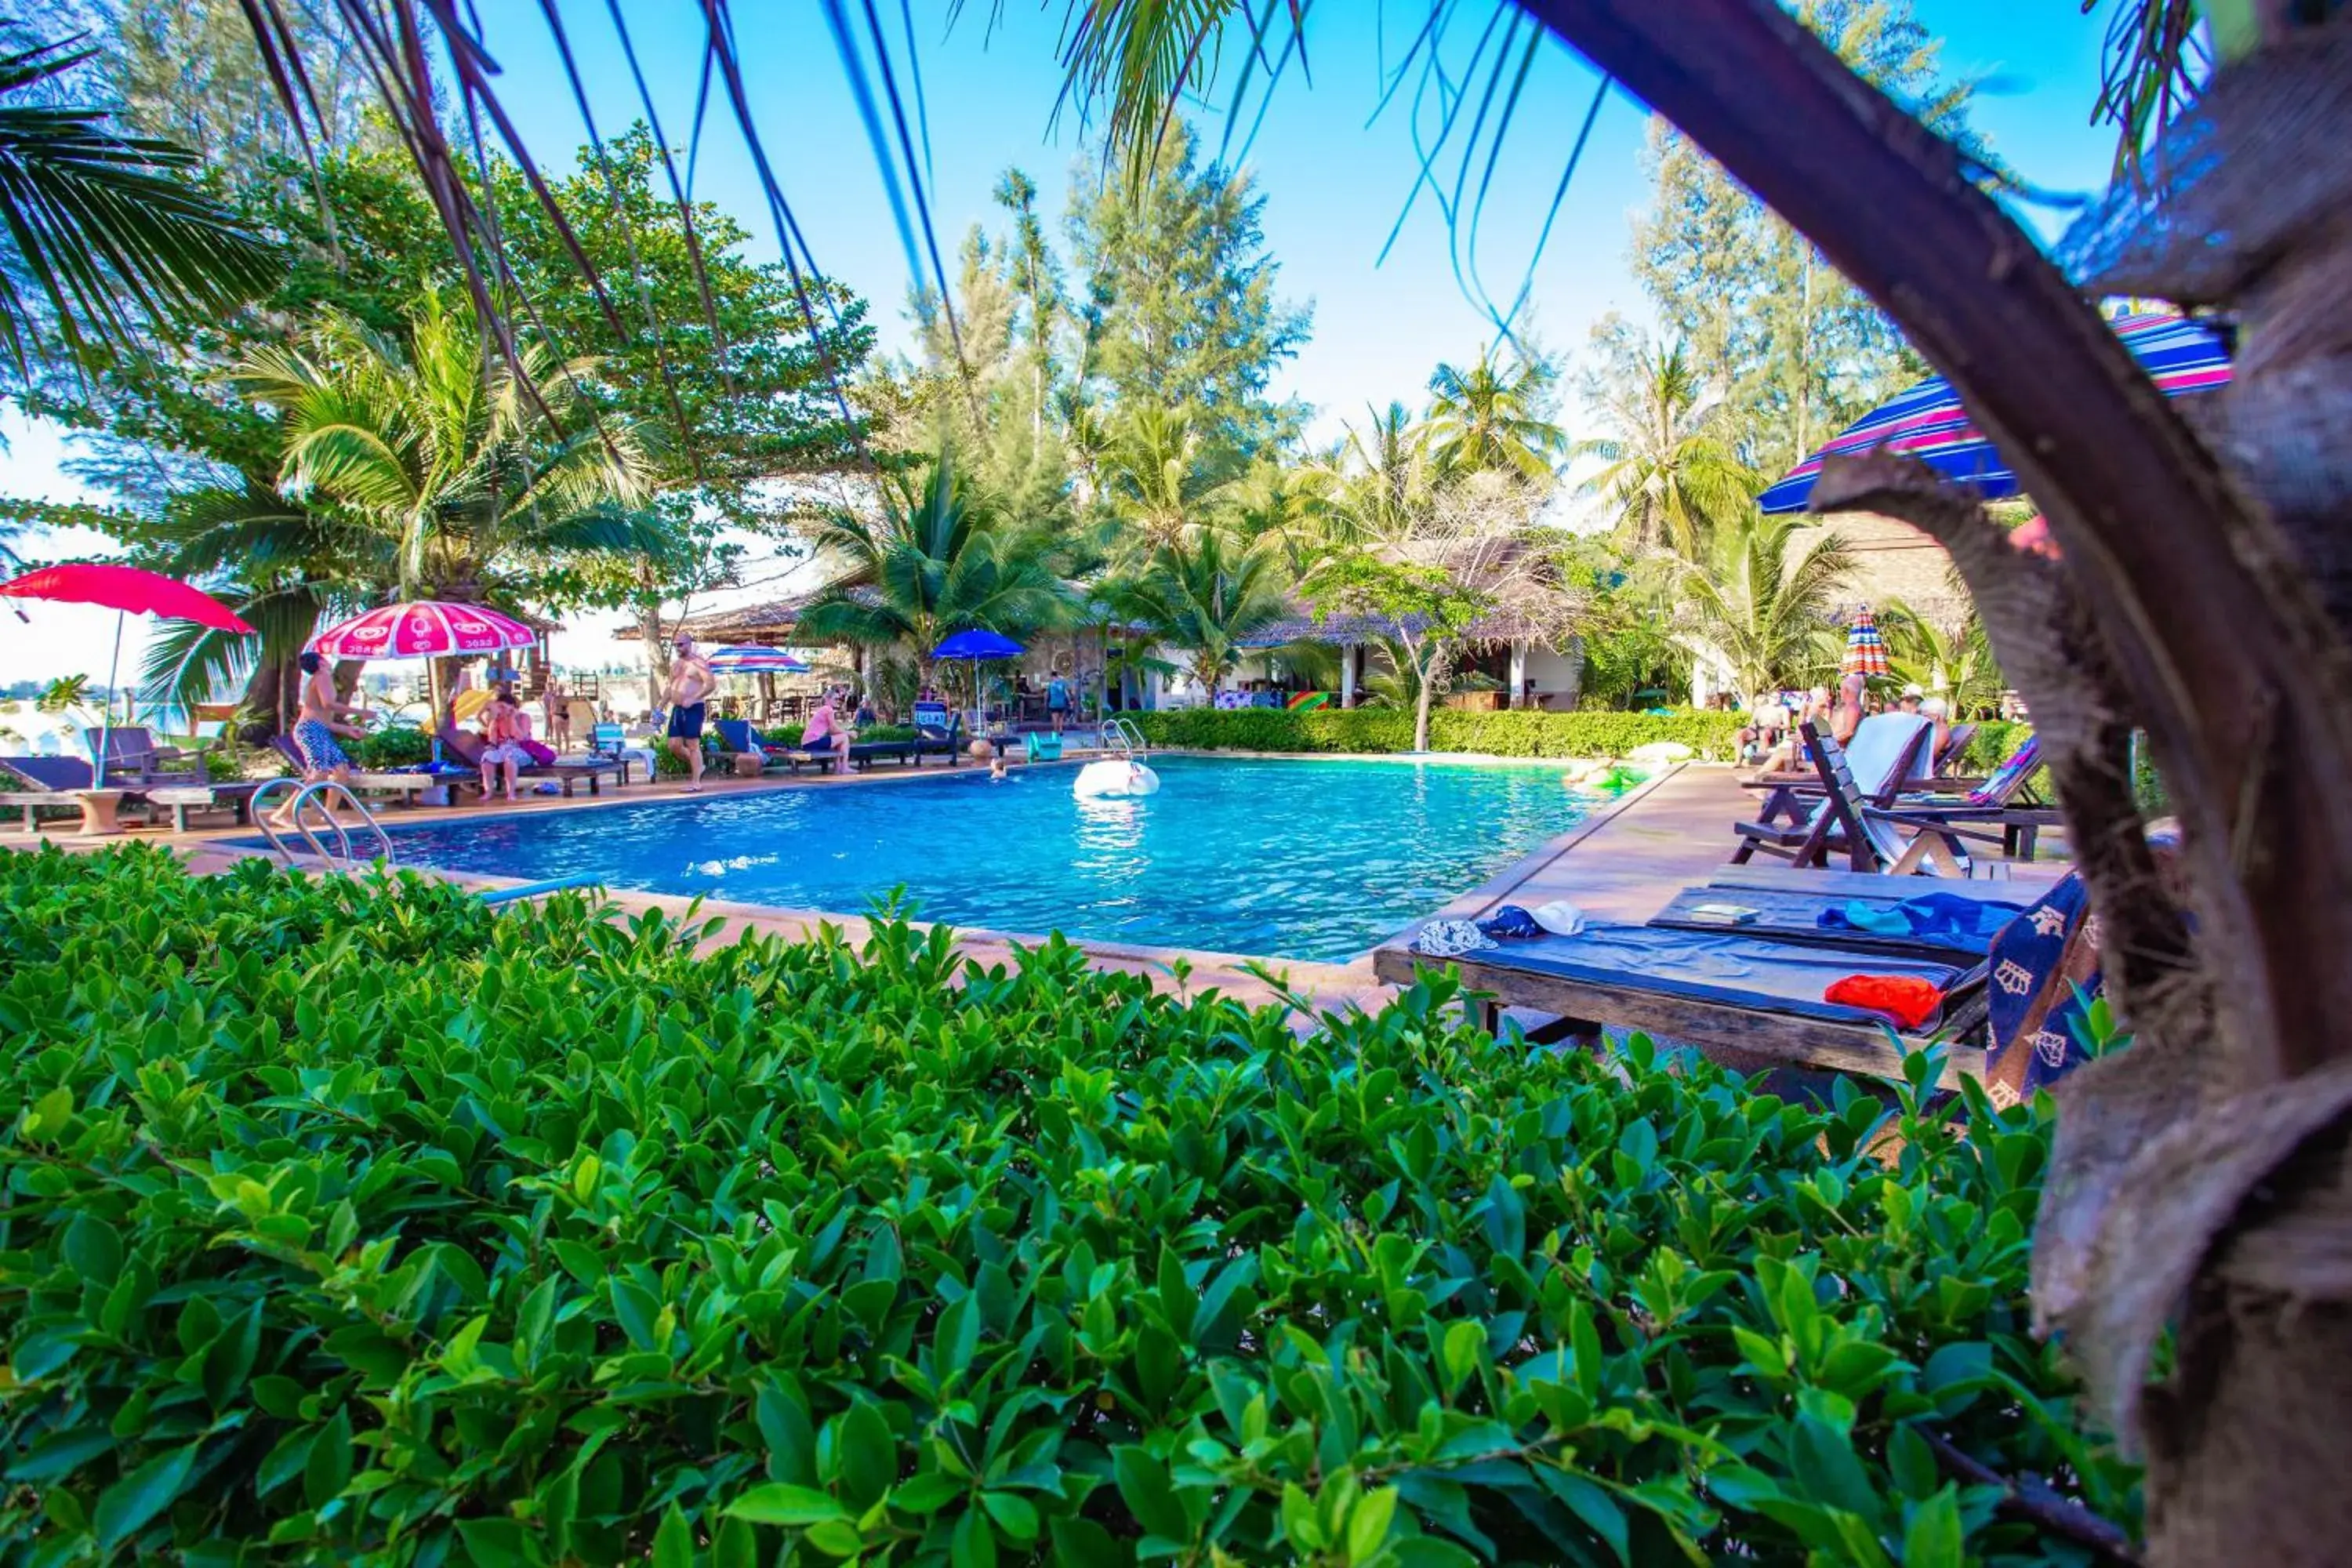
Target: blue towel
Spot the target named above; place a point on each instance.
(1930, 915)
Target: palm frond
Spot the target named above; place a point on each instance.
(107, 230)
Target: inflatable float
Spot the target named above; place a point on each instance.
(1605, 777)
(1113, 779)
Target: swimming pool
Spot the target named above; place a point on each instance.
(1304, 859)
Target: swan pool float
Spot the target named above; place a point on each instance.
(1113, 779)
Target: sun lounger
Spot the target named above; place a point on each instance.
(132, 756)
(181, 800)
(1745, 994)
(65, 783)
(1885, 750)
(942, 738)
(467, 749)
(863, 754)
(403, 788)
(741, 738)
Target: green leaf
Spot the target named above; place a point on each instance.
(1015, 1513)
(1591, 1504)
(329, 1468)
(973, 1544)
(1463, 1347)
(780, 1502)
(1368, 1522)
(1823, 1460)
(127, 1505)
(494, 1542)
(636, 1309)
(674, 1542)
(1143, 1482)
(866, 1451)
(1935, 1538)
(92, 1249)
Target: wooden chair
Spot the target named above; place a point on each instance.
(1888, 745)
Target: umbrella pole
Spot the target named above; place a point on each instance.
(106, 718)
(433, 704)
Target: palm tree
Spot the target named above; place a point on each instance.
(1768, 616)
(1670, 477)
(1157, 475)
(1207, 596)
(932, 562)
(1391, 474)
(101, 229)
(437, 448)
(1488, 418)
(1286, 507)
(1959, 666)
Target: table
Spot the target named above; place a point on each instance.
(100, 811)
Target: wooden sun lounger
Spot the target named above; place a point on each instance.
(1765, 1002)
(183, 799)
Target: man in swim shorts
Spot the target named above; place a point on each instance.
(690, 685)
(320, 720)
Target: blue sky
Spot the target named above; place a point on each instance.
(1333, 183)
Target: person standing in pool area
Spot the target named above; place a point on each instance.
(1057, 701)
(322, 717)
(690, 685)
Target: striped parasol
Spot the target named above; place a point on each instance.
(755, 659)
(1865, 650)
(427, 628)
(1927, 422)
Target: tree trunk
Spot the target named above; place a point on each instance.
(2201, 1176)
(649, 636)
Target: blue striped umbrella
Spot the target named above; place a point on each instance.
(1929, 423)
(753, 658)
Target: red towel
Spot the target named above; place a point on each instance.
(1906, 998)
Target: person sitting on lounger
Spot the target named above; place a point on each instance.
(322, 717)
(824, 733)
(502, 741)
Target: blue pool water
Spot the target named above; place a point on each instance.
(1302, 859)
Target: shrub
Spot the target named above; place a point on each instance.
(1513, 732)
(347, 1218)
(401, 746)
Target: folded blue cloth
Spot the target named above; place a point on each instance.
(1930, 914)
(1512, 921)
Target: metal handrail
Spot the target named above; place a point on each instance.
(323, 794)
(1118, 727)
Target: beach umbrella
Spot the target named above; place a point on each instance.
(976, 645)
(1927, 422)
(754, 659)
(127, 591)
(426, 630)
(1865, 650)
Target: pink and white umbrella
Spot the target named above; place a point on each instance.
(427, 628)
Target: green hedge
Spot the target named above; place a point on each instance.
(401, 746)
(347, 1220)
(1510, 733)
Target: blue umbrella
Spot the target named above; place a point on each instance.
(1929, 423)
(976, 645)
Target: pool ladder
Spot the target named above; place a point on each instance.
(1119, 734)
(326, 794)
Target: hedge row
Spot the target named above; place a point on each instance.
(349, 1221)
(1517, 732)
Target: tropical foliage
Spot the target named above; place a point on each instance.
(103, 235)
(1207, 597)
(834, 1262)
(1766, 609)
(1669, 473)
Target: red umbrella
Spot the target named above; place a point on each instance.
(127, 591)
